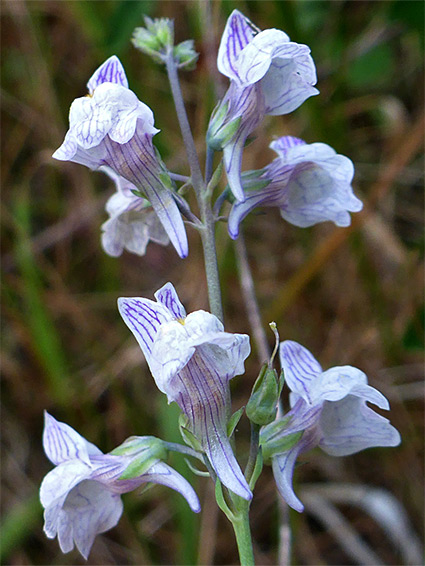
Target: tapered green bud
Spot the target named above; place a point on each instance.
(262, 405)
(142, 453)
(185, 55)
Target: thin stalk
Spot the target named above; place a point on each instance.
(207, 231)
(243, 538)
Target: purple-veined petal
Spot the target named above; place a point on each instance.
(144, 318)
(68, 148)
(89, 510)
(284, 89)
(248, 104)
(61, 442)
(136, 161)
(59, 481)
(336, 383)
(111, 71)
(89, 122)
(240, 210)
(300, 368)
(204, 397)
(256, 58)
(165, 475)
(237, 34)
(349, 426)
(168, 297)
(284, 143)
(283, 470)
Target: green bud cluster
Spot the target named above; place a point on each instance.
(157, 38)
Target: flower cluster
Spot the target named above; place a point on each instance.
(191, 357)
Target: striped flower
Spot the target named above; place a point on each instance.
(192, 360)
(269, 74)
(328, 410)
(82, 494)
(309, 183)
(111, 127)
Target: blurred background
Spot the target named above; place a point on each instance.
(352, 296)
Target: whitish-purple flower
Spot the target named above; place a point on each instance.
(82, 494)
(132, 221)
(269, 74)
(192, 360)
(309, 183)
(329, 409)
(112, 127)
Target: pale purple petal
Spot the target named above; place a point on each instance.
(248, 103)
(300, 368)
(252, 200)
(349, 426)
(59, 481)
(237, 34)
(62, 443)
(168, 297)
(255, 60)
(111, 71)
(89, 510)
(68, 148)
(131, 225)
(313, 196)
(144, 318)
(165, 475)
(283, 470)
(137, 162)
(284, 88)
(90, 122)
(284, 143)
(336, 383)
(203, 395)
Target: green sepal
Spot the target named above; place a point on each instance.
(233, 421)
(280, 445)
(221, 502)
(258, 468)
(215, 179)
(196, 471)
(221, 135)
(142, 452)
(261, 408)
(137, 193)
(166, 181)
(187, 435)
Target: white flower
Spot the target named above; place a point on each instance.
(111, 127)
(81, 495)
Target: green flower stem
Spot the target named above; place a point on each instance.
(240, 523)
(199, 185)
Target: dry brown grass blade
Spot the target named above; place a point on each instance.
(409, 144)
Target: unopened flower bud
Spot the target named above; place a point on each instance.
(262, 405)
